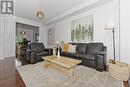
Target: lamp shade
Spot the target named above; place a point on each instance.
(57, 42)
(110, 25)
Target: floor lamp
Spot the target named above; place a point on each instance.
(110, 25)
(117, 69)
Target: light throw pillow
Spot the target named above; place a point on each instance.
(72, 48)
(65, 47)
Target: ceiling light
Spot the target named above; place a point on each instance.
(40, 15)
(22, 32)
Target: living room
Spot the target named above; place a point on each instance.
(56, 22)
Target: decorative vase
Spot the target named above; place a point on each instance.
(58, 54)
(54, 51)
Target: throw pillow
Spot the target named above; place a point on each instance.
(72, 48)
(65, 47)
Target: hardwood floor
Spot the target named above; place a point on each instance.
(19, 81)
(9, 76)
(126, 83)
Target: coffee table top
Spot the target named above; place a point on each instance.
(63, 61)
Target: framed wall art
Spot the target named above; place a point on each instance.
(51, 36)
(82, 29)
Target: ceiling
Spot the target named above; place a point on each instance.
(51, 8)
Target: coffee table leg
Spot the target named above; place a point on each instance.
(71, 72)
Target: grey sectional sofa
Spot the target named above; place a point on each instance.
(92, 55)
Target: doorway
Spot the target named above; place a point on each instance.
(25, 34)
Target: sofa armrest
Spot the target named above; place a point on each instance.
(100, 60)
(33, 57)
(99, 63)
(28, 55)
(105, 48)
(99, 52)
(29, 52)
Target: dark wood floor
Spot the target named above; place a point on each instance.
(18, 79)
(9, 76)
(126, 83)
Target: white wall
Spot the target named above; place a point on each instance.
(43, 35)
(1, 36)
(101, 15)
(7, 36)
(8, 33)
(125, 30)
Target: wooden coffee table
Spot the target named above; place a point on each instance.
(64, 64)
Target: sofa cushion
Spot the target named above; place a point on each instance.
(73, 55)
(81, 48)
(42, 53)
(87, 56)
(68, 54)
(88, 63)
(94, 47)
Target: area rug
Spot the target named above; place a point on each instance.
(37, 76)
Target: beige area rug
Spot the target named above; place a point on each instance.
(36, 76)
